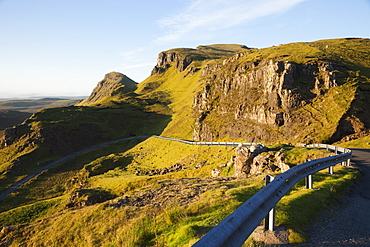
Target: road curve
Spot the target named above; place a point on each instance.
(34, 174)
(349, 224)
(44, 168)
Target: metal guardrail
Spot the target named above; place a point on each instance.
(236, 228)
(233, 144)
(34, 174)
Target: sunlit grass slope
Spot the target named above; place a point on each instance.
(363, 143)
(81, 201)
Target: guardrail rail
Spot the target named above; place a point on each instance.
(237, 227)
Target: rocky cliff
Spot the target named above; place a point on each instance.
(165, 59)
(181, 58)
(304, 92)
(260, 98)
(112, 84)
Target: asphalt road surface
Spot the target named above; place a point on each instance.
(349, 225)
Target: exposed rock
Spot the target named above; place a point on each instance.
(265, 95)
(200, 164)
(13, 134)
(5, 230)
(180, 192)
(258, 148)
(255, 160)
(216, 172)
(280, 161)
(243, 161)
(261, 164)
(166, 58)
(87, 197)
(231, 161)
(112, 83)
(174, 168)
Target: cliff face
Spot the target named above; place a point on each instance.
(165, 59)
(304, 92)
(112, 84)
(259, 95)
(274, 99)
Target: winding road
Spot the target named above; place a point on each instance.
(349, 224)
(34, 174)
(44, 168)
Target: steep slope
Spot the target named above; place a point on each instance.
(112, 84)
(178, 77)
(295, 92)
(305, 92)
(57, 132)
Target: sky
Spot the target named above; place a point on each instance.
(65, 47)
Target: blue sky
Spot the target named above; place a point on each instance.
(65, 47)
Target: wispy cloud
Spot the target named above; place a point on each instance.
(203, 17)
(131, 54)
(139, 65)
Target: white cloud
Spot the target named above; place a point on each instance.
(203, 17)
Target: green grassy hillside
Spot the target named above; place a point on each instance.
(101, 198)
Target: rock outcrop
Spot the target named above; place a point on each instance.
(249, 98)
(256, 160)
(165, 59)
(112, 84)
(174, 168)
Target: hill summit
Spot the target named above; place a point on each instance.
(153, 191)
(113, 83)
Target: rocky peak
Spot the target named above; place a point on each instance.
(112, 83)
(165, 59)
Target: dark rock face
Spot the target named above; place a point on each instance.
(166, 58)
(248, 98)
(13, 134)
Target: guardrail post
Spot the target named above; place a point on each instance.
(309, 182)
(269, 223)
(348, 162)
(330, 170)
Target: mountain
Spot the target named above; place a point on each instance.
(112, 84)
(300, 92)
(306, 92)
(293, 93)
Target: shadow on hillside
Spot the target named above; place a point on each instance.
(67, 130)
